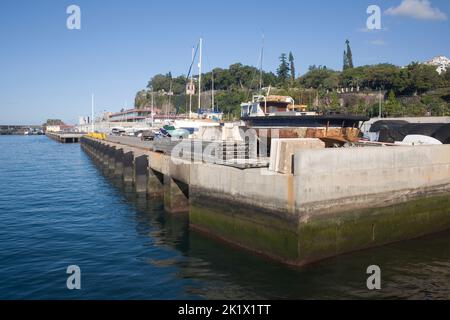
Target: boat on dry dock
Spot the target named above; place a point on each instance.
(294, 121)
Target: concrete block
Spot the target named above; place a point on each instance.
(283, 150)
(118, 170)
(176, 196)
(111, 158)
(155, 184)
(353, 176)
(128, 167)
(140, 173)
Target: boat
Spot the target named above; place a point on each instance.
(280, 113)
(203, 117)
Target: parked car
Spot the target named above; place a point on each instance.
(118, 131)
(148, 135)
(172, 132)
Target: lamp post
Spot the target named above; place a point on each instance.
(92, 114)
(379, 106)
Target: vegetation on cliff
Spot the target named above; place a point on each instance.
(415, 90)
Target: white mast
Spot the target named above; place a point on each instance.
(212, 97)
(261, 63)
(152, 108)
(92, 114)
(200, 76)
(192, 82)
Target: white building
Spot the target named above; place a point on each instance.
(441, 63)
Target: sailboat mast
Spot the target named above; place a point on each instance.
(200, 76)
(261, 64)
(153, 104)
(192, 82)
(212, 97)
(169, 107)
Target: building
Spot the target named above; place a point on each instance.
(83, 120)
(441, 63)
(132, 115)
(60, 128)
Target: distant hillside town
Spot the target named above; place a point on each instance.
(441, 63)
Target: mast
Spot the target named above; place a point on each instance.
(200, 76)
(152, 108)
(192, 82)
(212, 97)
(261, 64)
(169, 106)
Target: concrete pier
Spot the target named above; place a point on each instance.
(65, 137)
(329, 202)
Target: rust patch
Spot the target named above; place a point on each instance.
(290, 194)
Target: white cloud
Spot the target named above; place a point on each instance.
(418, 9)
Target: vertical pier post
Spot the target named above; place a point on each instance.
(128, 167)
(111, 158)
(118, 170)
(140, 173)
(105, 156)
(176, 196)
(155, 184)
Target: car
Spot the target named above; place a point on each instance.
(118, 131)
(172, 132)
(148, 135)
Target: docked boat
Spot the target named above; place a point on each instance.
(280, 114)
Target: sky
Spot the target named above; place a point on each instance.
(49, 71)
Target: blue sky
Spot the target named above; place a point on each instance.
(48, 71)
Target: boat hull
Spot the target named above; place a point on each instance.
(332, 130)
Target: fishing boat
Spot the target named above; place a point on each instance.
(294, 121)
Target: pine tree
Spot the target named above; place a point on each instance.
(292, 67)
(345, 67)
(283, 69)
(393, 107)
(349, 55)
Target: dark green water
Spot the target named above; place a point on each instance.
(57, 209)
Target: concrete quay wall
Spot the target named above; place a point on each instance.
(331, 180)
(337, 200)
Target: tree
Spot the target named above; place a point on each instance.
(348, 56)
(141, 100)
(419, 78)
(392, 107)
(283, 69)
(446, 77)
(436, 105)
(345, 61)
(320, 78)
(335, 103)
(292, 67)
